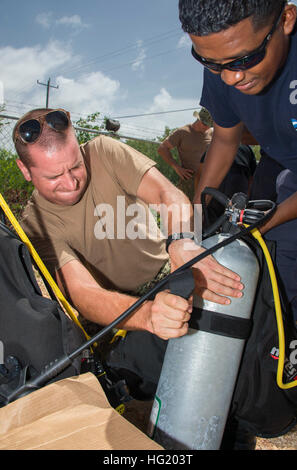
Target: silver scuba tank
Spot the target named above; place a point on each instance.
(200, 369)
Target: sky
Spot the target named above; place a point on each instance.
(119, 58)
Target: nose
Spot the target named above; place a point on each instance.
(232, 78)
(70, 183)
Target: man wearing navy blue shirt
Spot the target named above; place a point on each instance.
(249, 53)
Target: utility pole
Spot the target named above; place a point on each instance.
(48, 86)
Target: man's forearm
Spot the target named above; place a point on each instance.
(166, 155)
(176, 212)
(218, 161)
(220, 156)
(103, 307)
(285, 212)
(166, 316)
(175, 209)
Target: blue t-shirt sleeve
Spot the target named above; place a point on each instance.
(215, 98)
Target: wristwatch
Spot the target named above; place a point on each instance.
(180, 236)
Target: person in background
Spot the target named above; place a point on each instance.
(191, 142)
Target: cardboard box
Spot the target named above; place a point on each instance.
(72, 414)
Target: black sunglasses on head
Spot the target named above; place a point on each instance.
(242, 63)
(30, 131)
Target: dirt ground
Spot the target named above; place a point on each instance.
(286, 442)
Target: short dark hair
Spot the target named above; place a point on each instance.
(204, 17)
(47, 137)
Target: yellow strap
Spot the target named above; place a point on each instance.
(121, 333)
(40, 264)
(278, 312)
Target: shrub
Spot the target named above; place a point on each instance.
(14, 188)
(151, 150)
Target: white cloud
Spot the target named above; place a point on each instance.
(155, 124)
(21, 68)
(86, 95)
(184, 42)
(44, 19)
(164, 102)
(138, 63)
(161, 101)
(74, 21)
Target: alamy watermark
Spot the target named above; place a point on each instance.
(1, 93)
(1, 353)
(293, 95)
(134, 221)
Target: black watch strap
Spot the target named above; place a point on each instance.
(179, 236)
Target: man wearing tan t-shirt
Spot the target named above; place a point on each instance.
(191, 142)
(81, 219)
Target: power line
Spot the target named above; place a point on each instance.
(152, 40)
(145, 129)
(139, 128)
(123, 50)
(84, 116)
(154, 114)
(133, 61)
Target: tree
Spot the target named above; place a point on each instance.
(84, 136)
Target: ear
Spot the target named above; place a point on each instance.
(24, 170)
(289, 18)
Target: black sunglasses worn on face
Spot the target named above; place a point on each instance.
(242, 63)
(30, 131)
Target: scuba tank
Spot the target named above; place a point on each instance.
(199, 371)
